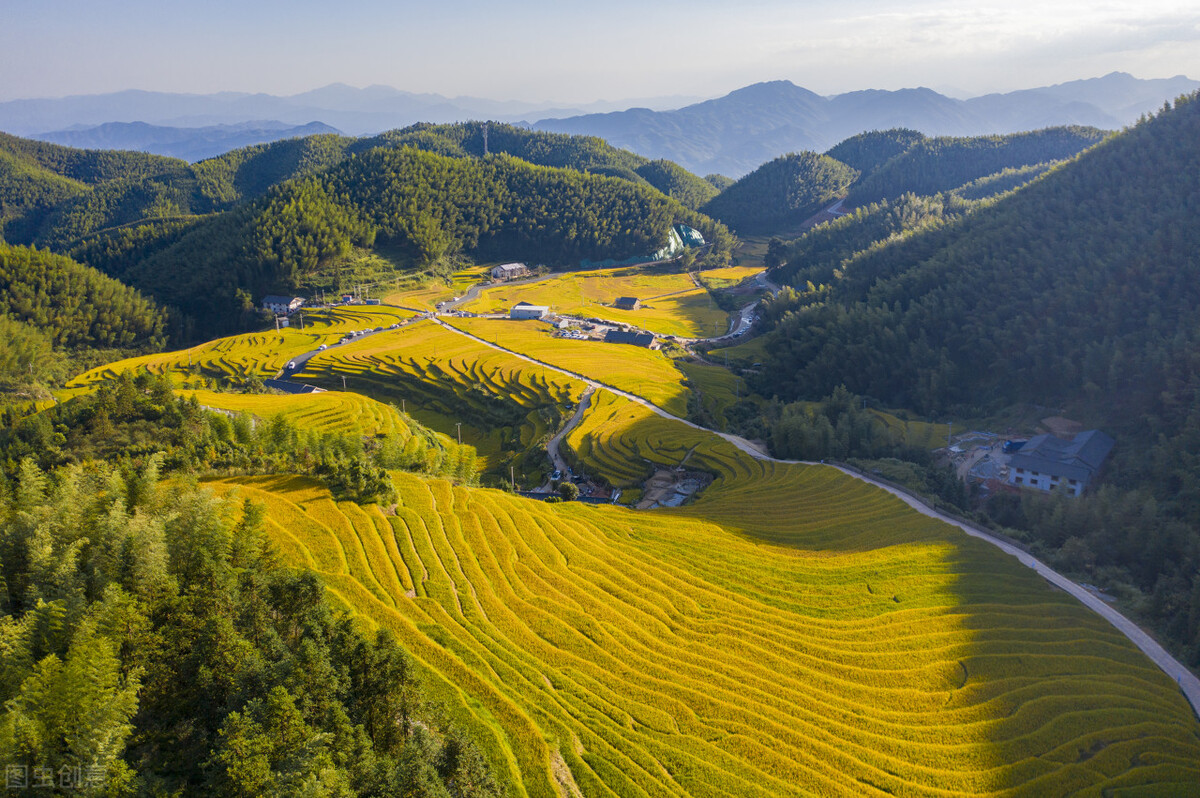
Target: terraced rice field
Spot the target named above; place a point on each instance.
(428, 297)
(444, 377)
(795, 632)
(729, 276)
(260, 354)
(328, 411)
(624, 441)
(672, 304)
(600, 446)
(645, 372)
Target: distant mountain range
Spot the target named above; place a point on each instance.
(730, 135)
(355, 111)
(734, 134)
(189, 143)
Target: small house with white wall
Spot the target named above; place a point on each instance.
(282, 305)
(509, 271)
(1048, 463)
(524, 310)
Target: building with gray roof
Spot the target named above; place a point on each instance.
(1048, 463)
(633, 338)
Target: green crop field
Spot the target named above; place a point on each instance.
(744, 354)
(920, 434)
(645, 372)
(672, 304)
(793, 633)
(717, 388)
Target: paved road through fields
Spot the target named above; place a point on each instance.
(1187, 681)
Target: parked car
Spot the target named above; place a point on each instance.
(322, 347)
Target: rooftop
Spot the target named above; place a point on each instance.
(1077, 458)
(622, 337)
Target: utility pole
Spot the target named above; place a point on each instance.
(403, 407)
(512, 476)
(458, 425)
(343, 382)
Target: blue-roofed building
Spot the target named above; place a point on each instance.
(1048, 463)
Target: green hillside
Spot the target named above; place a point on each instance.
(90, 167)
(678, 183)
(1078, 293)
(781, 193)
(867, 152)
(207, 238)
(75, 305)
(582, 153)
(932, 165)
(152, 629)
(819, 255)
(420, 205)
(28, 192)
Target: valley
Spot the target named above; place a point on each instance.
(327, 501)
(792, 629)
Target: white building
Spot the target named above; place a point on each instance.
(524, 310)
(509, 271)
(1048, 463)
(282, 305)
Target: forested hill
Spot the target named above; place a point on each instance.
(56, 315)
(866, 152)
(781, 192)
(581, 153)
(74, 304)
(59, 197)
(1078, 293)
(424, 204)
(932, 165)
(1079, 285)
(209, 237)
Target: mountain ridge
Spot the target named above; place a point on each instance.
(189, 143)
(730, 136)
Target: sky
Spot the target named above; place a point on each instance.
(574, 51)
